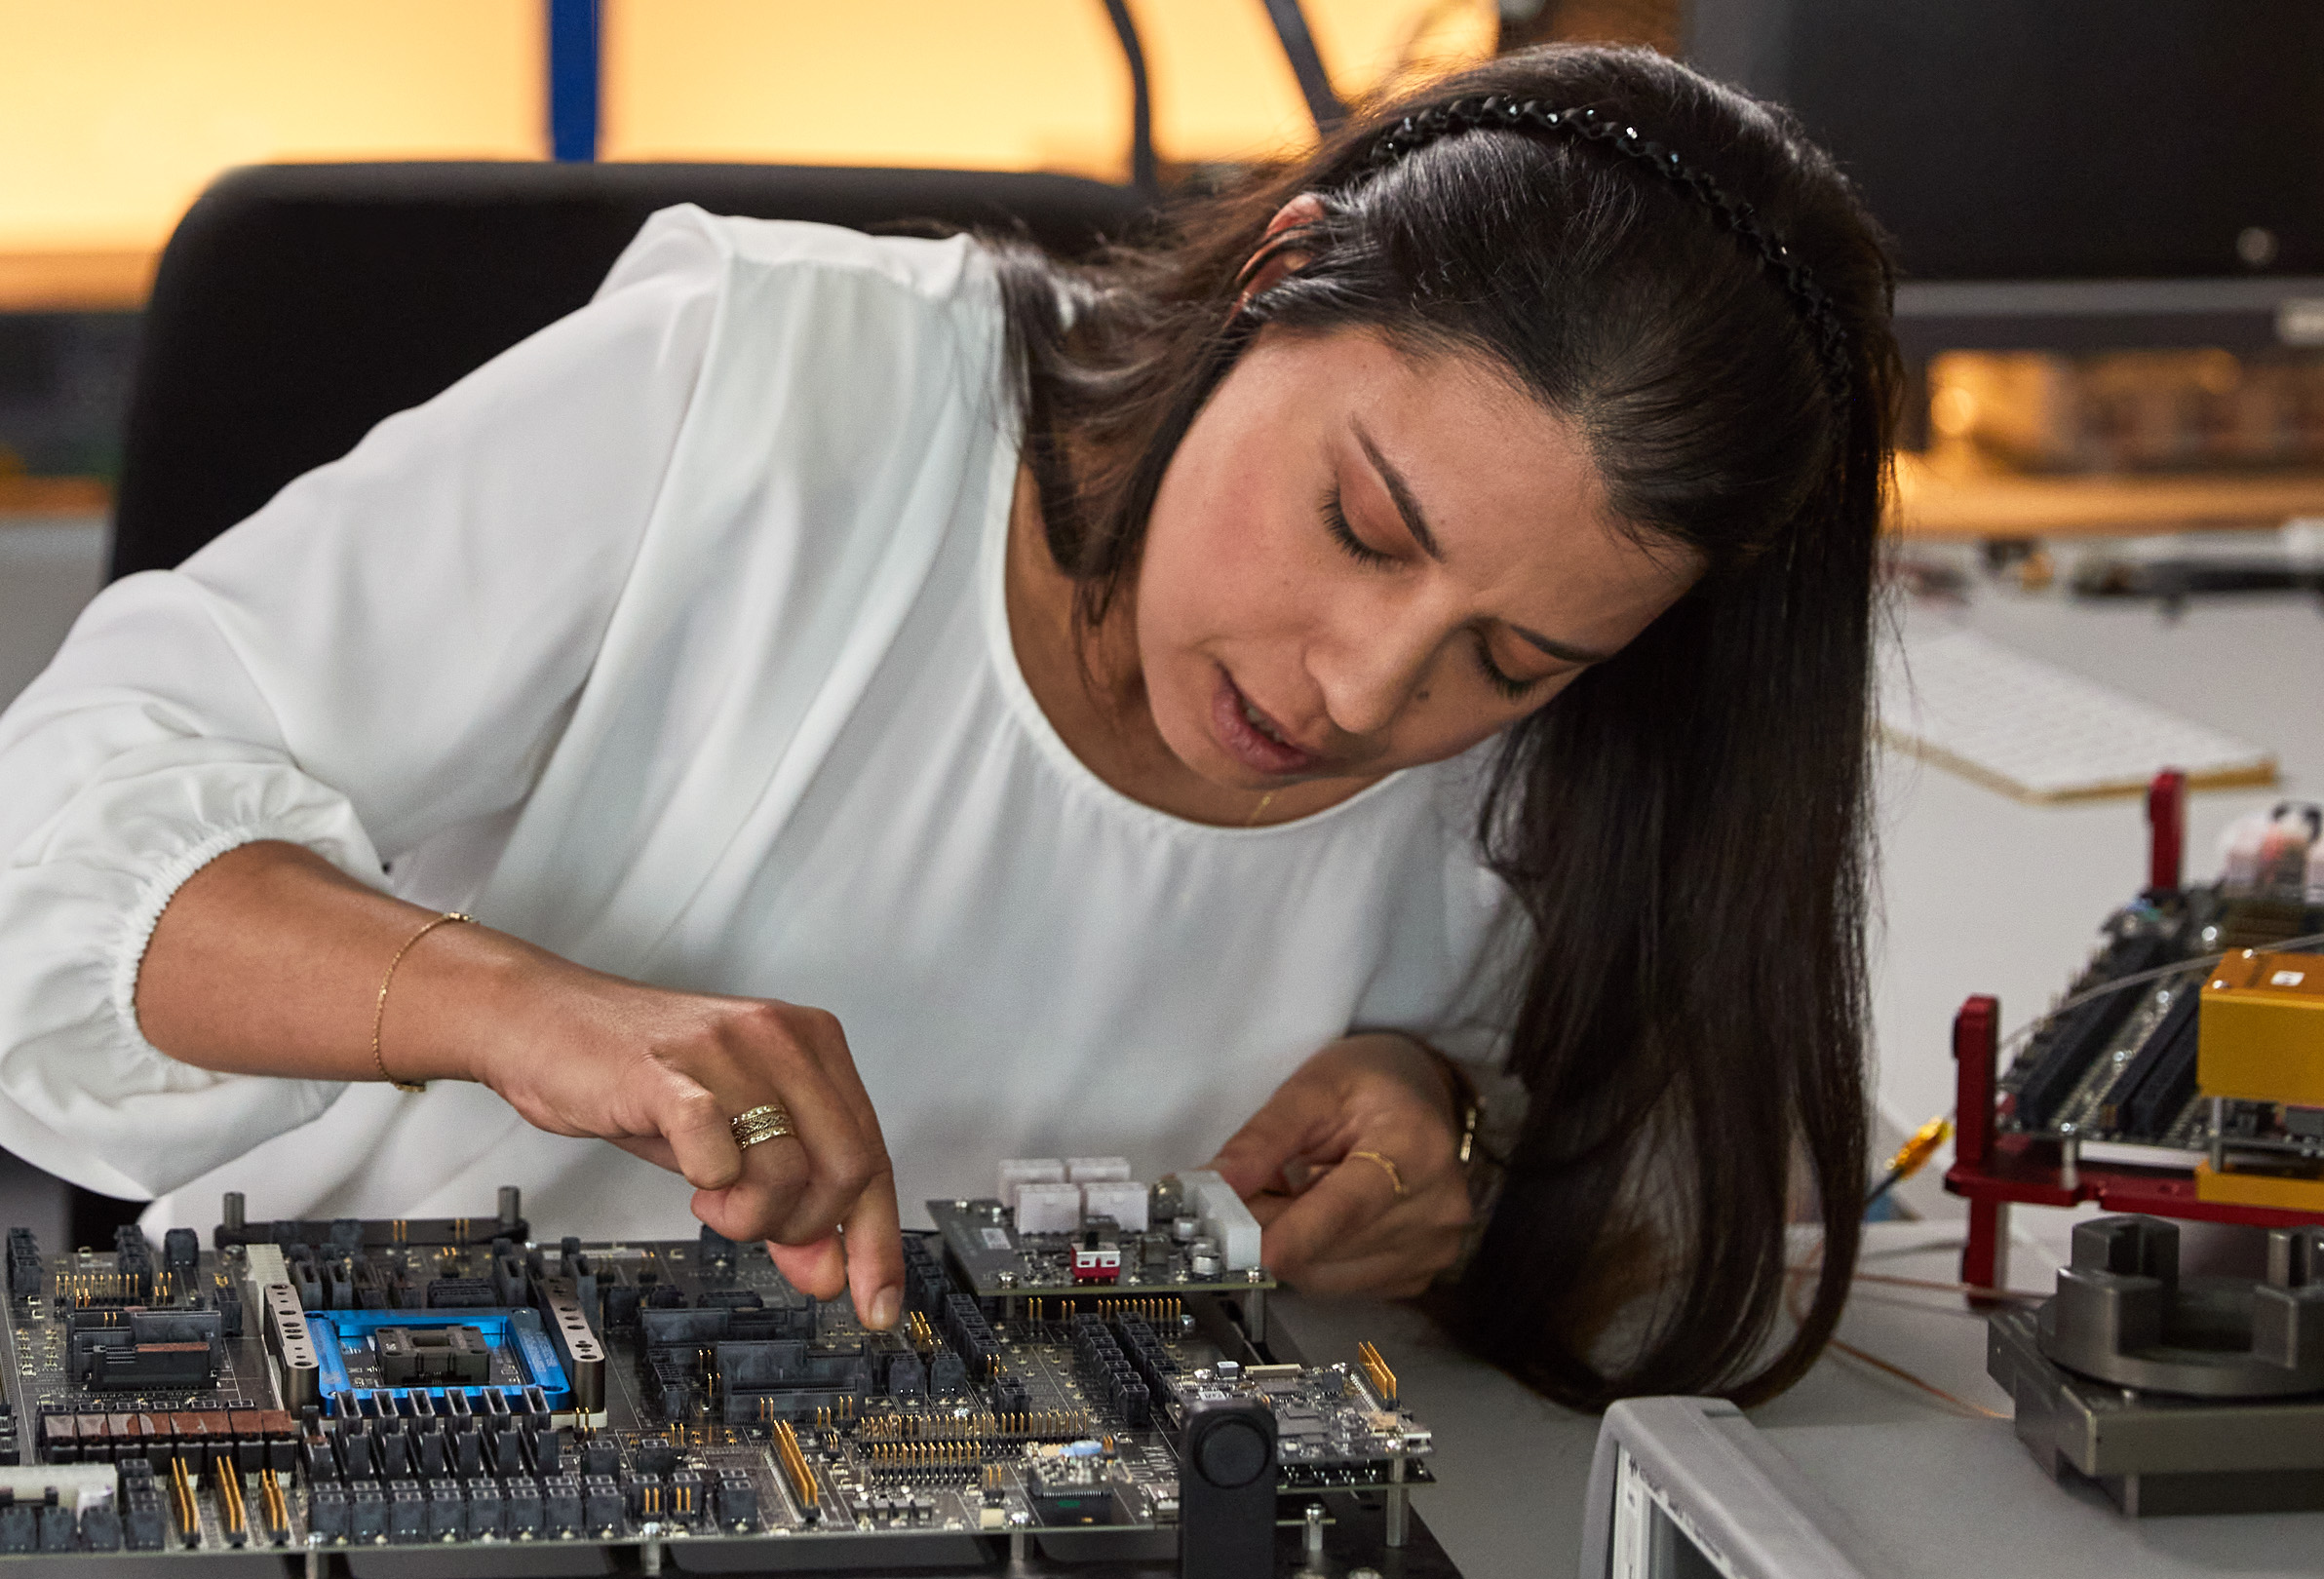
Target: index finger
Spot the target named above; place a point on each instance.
(874, 1239)
(875, 1233)
(1321, 1225)
(1256, 1155)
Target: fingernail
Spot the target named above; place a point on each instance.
(886, 1306)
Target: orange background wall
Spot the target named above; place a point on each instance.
(114, 113)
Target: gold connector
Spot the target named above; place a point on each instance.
(1376, 1367)
(181, 1501)
(233, 1517)
(273, 1507)
(794, 1465)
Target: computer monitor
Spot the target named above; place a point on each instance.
(2048, 139)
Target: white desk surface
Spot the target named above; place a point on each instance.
(1980, 894)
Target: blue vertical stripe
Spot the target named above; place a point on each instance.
(573, 80)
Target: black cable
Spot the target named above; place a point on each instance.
(1145, 175)
(1298, 44)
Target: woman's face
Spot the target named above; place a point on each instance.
(1360, 559)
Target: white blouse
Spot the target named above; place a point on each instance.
(673, 640)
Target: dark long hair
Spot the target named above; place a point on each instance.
(1685, 825)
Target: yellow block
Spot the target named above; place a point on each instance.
(2259, 1190)
(2261, 1035)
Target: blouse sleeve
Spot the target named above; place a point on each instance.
(387, 649)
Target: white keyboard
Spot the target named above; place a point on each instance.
(2037, 732)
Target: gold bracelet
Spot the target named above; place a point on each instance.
(379, 1014)
(1465, 1101)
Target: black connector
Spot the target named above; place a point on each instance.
(24, 1268)
(2161, 1080)
(2079, 1035)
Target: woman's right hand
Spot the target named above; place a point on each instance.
(660, 1074)
(269, 961)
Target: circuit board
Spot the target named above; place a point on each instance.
(2121, 1066)
(361, 1394)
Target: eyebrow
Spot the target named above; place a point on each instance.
(1416, 522)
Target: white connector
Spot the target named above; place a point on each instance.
(1124, 1200)
(1020, 1170)
(1220, 1215)
(1045, 1208)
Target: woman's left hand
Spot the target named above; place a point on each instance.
(1321, 1164)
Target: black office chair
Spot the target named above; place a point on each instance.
(299, 304)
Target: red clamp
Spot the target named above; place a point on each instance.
(2166, 830)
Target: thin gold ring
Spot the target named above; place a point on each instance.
(769, 1121)
(1394, 1177)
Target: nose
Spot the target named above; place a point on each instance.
(1368, 669)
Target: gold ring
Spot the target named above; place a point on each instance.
(769, 1121)
(1394, 1177)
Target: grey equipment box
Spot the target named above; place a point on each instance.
(1687, 1489)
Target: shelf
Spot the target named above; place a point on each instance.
(50, 498)
(2243, 315)
(1930, 506)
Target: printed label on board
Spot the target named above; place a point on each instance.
(2287, 979)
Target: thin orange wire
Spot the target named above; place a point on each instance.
(1902, 1375)
(1978, 1290)
(1792, 1304)
(1901, 1301)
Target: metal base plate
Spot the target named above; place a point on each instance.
(2152, 1453)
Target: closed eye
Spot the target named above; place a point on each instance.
(1335, 522)
(1509, 685)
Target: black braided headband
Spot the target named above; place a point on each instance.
(1501, 112)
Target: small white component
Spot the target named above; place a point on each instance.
(1017, 1171)
(1222, 1215)
(1091, 1170)
(1124, 1200)
(78, 1487)
(1047, 1207)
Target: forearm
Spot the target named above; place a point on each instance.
(270, 961)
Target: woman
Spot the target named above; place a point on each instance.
(1416, 618)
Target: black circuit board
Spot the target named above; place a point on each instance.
(2122, 1067)
(314, 1389)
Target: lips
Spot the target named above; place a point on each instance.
(1250, 736)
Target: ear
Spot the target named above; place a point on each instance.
(1304, 209)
